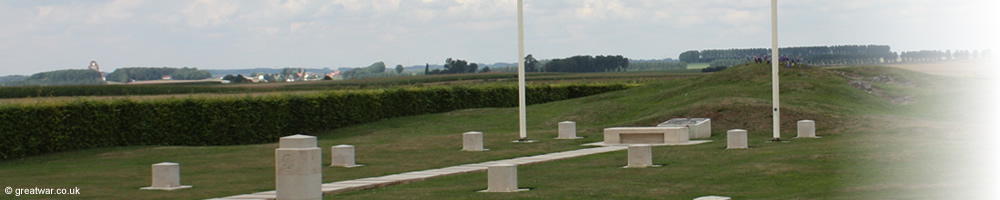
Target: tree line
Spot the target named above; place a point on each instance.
(937, 55)
(845, 54)
(656, 65)
(150, 73)
(63, 77)
(582, 64)
(457, 66)
(835, 55)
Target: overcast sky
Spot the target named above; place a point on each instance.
(45, 35)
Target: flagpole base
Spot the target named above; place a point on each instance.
(777, 140)
(523, 140)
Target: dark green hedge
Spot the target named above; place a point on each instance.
(27, 130)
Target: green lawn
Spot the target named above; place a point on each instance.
(863, 153)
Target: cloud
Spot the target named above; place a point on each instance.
(204, 13)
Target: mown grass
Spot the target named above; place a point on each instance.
(861, 155)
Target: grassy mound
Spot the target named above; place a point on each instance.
(739, 97)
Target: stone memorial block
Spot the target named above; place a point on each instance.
(737, 139)
(807, 129)
(646, 135)
(298, 168)
(567, 130)
(166, 176)
(502, 178)
(342, 156)
(472, 141)
(713, 198)
(699, 128)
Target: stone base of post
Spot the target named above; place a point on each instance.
(502, 178)
(567, 131)
(472, 141)
(807, 129)
(640, 156)
(343, 156)
(166, 176)
(736, 139)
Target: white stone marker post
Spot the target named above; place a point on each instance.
(807, 129)
(502, 178)
(567, 130)
(640, 156)
(472, 141)
(298, 168)
(166, 176)
(342, 156)
(736, 139)
(713, 198)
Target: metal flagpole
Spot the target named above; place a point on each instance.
(520, 71)
(775, 59)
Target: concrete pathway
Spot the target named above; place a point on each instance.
(409, 177)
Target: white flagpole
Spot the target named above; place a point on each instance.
(520, 71)
(775, 59)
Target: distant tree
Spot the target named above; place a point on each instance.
(583, 64)
(689, 56)
(427, 68)
(327, 78)
(374, 68)
(65, 77)
(143, 73)
(237, 79)
(190, 74)
(399, 69)
(455, 66)
(289, 72)
(485, 69)
(473, 68)
(530, 63)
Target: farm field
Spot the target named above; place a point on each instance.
(872, 147)
(39, 93)
(982, 68)
(698, 65)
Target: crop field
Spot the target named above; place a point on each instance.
(872, 147)
(697, 65)
(185, 89)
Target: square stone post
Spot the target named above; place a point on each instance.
(640, 156)
(713, 198)
(298, 168)
(736, 139)
(472, 141)
(567, 130)
(342, 156)
(502, 178)
(807, 129)
(166, 176)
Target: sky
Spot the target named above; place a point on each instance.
(46, 35)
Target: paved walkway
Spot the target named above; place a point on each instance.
(409, 177)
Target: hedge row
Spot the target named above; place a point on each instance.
(27, 130)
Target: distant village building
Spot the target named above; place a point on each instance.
(94, 66)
